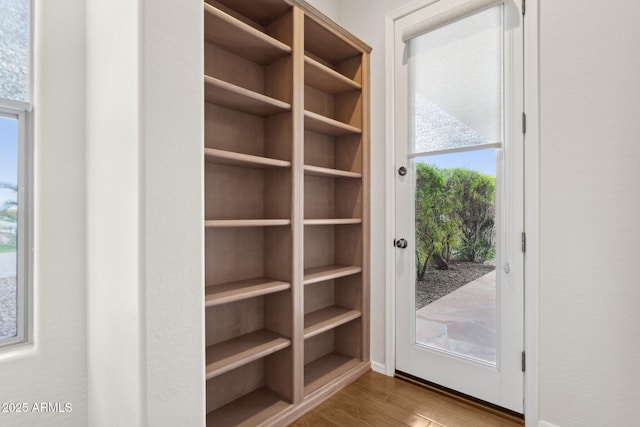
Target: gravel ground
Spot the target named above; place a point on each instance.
(7, 307)
(439, 283)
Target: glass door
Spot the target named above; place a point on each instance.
(459, 287)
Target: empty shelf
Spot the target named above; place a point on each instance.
(230, 158)
(325, 79)
(230, 354)
(326, 44)
(235, 97)
(237, 37)
(328, 272)
(235, 291)
(333, 221)
(250, 410)
(246, 223)
(327, 318)
(325, 369)
(327, 126)
(330, 173)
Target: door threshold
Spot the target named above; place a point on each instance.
(463, 398)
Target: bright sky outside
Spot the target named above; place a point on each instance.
(483, 161)
(8, 156)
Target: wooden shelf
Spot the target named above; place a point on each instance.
(230, 158)
(325, 79)
(242, 39)
(235, 291)
(268, 12)
(219, 223)
(328, 272)
(233, 353)
(237, 98)
(333, 221)
(325, 125)
(250, 410)
(325, 369)
(329, 45)
(330, 173)
(327, 318)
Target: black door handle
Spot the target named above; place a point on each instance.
(402, 243)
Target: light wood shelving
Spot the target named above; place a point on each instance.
(325, 79)
(325, 369)
(230, 158)
(252, 409)
(243, 289)
(329, 272)
(230, 354)
(286, 210)
(327, 318)
(246, 222)
(224, 30)
(334, 221)
(234, 97)
(328, 126)
(330, 173)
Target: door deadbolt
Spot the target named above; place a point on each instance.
(401, 243)
(402, 171)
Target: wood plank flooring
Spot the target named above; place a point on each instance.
(377, 400)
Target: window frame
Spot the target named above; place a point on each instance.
(24, 232)
(22, 111)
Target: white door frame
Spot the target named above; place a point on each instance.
(531, 198)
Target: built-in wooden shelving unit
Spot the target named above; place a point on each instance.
(286, 210)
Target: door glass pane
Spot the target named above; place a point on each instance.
(455, 224)
(14, 49)
(8, 226)
(455, 82)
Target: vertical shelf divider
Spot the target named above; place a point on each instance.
(298, 201)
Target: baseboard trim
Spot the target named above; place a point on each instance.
(546, 424)
(379, 368)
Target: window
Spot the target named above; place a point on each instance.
(15, 107)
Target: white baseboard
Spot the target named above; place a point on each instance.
(378, 367)
(546, 424)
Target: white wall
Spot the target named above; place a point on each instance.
(590, 204)
(115, 312)
(53, 368)
(144, 213)
(328, 7)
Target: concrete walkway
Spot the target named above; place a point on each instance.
(463, 321)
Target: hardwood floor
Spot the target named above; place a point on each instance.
(378, 400)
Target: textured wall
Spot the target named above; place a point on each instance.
(53, 369)
(590, 201)
(144, 213)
